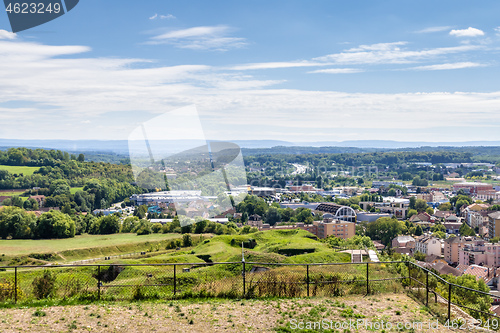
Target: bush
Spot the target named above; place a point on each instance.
(7, 290)
(187, 240)
(44, 286)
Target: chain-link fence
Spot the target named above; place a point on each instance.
(242, 280)
(181, 280)
(457, 304)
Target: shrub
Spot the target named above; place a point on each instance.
(44, 286)
(187, 240)
(7, 290)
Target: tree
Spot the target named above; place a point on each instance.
(419, 256)
(429, 210)
(273, 216)
(445, 206)
(465, 230)
(81, 158)
(418, 231)
(15, 222)
(187, 240)
(385, 229)
(129, 224)
(55, 224)
(421, 205)
(439, 234)
(412, 202)
(109, 225)
(412, 212)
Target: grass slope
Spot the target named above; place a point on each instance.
(25, 170)
(83, 246)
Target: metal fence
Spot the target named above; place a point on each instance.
(241, 280)
(180, 280)
(451, 301)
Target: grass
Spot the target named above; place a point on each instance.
(25, 170)
(73, 190)
(83, 246)
(203, 315)
(11, 193)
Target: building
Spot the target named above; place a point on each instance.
(476, 214)
(38, 198)
(339, 212)
(306, 188)
(452, 227)
(494, 224)
(106, 212)
(492, 252)
(480, 191)
(428, 245)
(166, 197)
(472, 253)
(394, 206)
(420, 217)
(337, 228)
(370, 217)
(402, 241)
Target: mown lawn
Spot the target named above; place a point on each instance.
(25, 170)
(18, 247)
(73, 190)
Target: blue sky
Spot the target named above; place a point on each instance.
(286, 70)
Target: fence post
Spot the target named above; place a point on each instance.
(243, 273)
(367, 280)
(15, 284)
(175, 279)
(427, 288)
(98, 282)
(307, 279)
(409, 274)
(449, 301)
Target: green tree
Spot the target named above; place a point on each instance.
(421, 205)
(187, 241)
(413, 201)
(55, 224)
(445, 206)
(272, 216)
(384, 229)
(418, 231)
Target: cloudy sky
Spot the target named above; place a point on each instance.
(286, 70)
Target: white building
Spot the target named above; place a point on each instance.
(428, 245)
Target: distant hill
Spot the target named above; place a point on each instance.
(120, 148)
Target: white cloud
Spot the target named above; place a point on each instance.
(497, 31)
(469, 32)
(338, 70)
(200, 38)
(390, 53)
(456, 65)
(433, 29)
(278, 64)
(4, 34)
(162, 17)
(64, 93)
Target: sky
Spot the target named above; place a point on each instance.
(259, 70)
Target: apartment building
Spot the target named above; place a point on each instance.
(337, 228)
(428, 245)
(494, 224)
(472, 253)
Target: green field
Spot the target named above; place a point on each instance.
(84, 246)
(73, 190)
(25, 170)
(11, 193)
